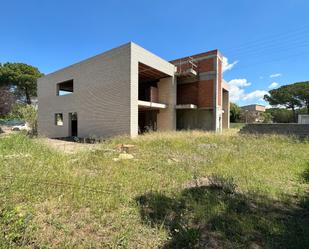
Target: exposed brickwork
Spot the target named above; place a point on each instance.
(212, 52)
(187, 93)
(205, 93)
(200, 93)
(206, 65)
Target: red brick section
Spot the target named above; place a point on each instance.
(200, 93)
(187, 93)
(206, 65)
(212, 52)
(205, 93)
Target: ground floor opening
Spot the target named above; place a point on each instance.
(73, 125)
(147, 120)
(195, 119)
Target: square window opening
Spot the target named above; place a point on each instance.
(59, 119)
(65, 88)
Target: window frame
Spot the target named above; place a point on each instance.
(62, 119)
(67, 92)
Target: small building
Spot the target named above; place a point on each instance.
(252, 113)
(129, 90)
(303, 119)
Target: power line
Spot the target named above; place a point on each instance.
(270, 61)
(269, 39)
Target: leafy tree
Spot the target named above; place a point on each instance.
(234, 113)
(284, 96)
(281, 115)
(302, 93)
(21, 78)
(7, 100)
(266, 117)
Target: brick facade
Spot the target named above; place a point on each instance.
(188, 93)
(205, 93)
(201, 92)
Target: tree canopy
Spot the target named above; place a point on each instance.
(7, 99)
(291, 96)
(22, 78)
(302, 93)
(234, 113)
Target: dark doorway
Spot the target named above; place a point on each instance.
(73, 124)
(147, 120)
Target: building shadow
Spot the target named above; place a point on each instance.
(214, 217)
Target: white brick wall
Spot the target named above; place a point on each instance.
(105, 93)
(101, 96)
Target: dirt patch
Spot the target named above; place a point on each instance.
(213, 181)
(68, 146)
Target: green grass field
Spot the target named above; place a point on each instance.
(181, 190)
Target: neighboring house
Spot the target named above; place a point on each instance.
(303, 119)
(252, 113)
(129, 90)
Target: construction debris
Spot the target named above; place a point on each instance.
(173, 160)
(127, 148)
(123, 156)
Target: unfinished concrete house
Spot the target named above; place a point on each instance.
(129, 90)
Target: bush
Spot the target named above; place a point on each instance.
(27, 113)
(267, 117)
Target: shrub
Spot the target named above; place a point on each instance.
(28, 113)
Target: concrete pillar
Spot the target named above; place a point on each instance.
(166, 119)
(134, 98)
(226, 108)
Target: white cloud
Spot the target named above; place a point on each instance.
(238, 93)
(276, 75)
(236, 89)
(226, 66)
(273, 85)
(239, 82)
(257, 94)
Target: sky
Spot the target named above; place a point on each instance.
(265, 43)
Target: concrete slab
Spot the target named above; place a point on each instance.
(152, 105)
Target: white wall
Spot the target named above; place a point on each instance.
(105, 95)
(101, 96)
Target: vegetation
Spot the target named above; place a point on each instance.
(302, 94)
(237, 125)
(235, 112)
(21, 78)
(266, 117)
(181, 190)
(7, 99)
(27, 113)
(290, 96)
(282, 115)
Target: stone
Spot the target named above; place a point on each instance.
(124, 156)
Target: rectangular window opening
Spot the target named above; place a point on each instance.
(59, 119)
(65, 88)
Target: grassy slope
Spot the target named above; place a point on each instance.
(256, 193)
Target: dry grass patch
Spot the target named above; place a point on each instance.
(181, 190)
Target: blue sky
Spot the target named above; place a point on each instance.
(258, 38)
